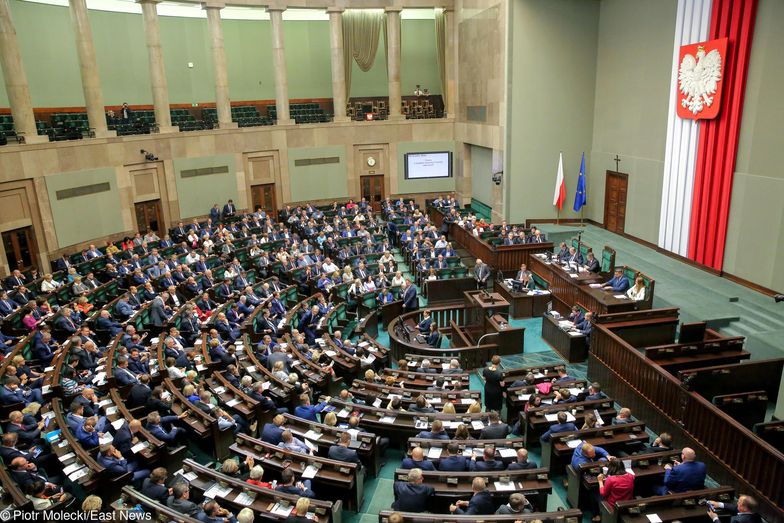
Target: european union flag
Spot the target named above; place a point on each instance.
(580, 197)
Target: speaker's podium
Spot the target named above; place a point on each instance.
(488, 313)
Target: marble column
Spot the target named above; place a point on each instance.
(91, 81)
(160, 87)
(16, 79)
(222, 102)
(338, 64)
(393, 62)
(450, 96)
(279, 67)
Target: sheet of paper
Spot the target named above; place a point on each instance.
(244, 499)
(477, 425)
(504, 486)
(599, 421)
(434, 452)
(507, 452)
(377, 402)
(73, 467)
(219, 390)
(312, 434)
(444, 366)
(523, 397)
(139, 447)
(466, 401)
(467, 452)
(574, 334)
(265, 385)
(107, 438)
(627, 463)
(434, 400)
(66, 457)
(619, 296)
(190, 476)
(250, 368)
(387, 419)
(280, 510)
(573, 443)
(595, 285)
(312, 446)
(310, 472)
(232, 402)
(575, 391)
(330, 353)
(653, 518)
(344, 413)
(107, 401)
(79, 474)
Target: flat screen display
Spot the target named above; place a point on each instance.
(421, 166)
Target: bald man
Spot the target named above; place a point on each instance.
(688, 474)
(417, 461)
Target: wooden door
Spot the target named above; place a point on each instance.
(149, 217)
(21, 249)
(263, 197)
(373, 190)
(615, 201)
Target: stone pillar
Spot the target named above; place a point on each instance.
(91, 82)
(279, 67)
(393, 62)
(450, 96)
(339, 94)
(15, 79)
(160, 87)
(222, 102)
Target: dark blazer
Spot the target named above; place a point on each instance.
(480, 503)
(410, 497)
(341, 453)
(425, 464)
(522, 466)
(155, 491)
(122, 440)
(481, 465)
(454, 464)
(558, 427)
(497, 431)
(689, 475)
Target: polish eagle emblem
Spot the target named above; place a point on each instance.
(699, 80)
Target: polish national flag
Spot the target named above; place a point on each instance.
(560, 187)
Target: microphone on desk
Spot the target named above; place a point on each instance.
(778, 297)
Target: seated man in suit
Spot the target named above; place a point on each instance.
(116, 465)
(618, 283)
(454, 460)
(481, 503)
(290, 485)
(495, 429)
(412, 495)
(574, 257)
(561, 425)
(585, 327)
(104, 322)
(12, 393)
(273, 432)
(26, 427)
(342, 452)
(307, 411)
(436, 431)
(454, 368)
(592, 264)
(488, 461)
(522, 462)
(126, 437)
(688, 474)
(427, 367)
(417, 460)
(154, 487)
(156, 425)
(624, 416)
(661, 444)
(745, 511)
(179, 501)
(424, 323)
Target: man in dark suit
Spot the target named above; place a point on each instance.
(126, 437)
(618, 283)
(560, 426)
(16, 280)
(341, 452)
(116, 465)
(104, 322)
(158, 316)
(481, 503)
(688, 474)
(495, 429)
(481, 273)
(744, 512)
(454, 460)
(7, 306)
(156, 425)
(592, 264)
(140, 393)
(229, 209)
(436, 431)
(412, 495)
(154, 487)
(488, 461)
(417, 461)
(272, 432)
(410, 299)
(522, 462)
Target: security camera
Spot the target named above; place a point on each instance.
(149, 156)
(497, 177)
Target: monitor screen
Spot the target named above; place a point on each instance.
(421, 166)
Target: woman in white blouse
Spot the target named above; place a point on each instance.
(637, 292)
(49, 284)
(398, 280)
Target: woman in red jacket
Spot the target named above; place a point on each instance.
(617, 485)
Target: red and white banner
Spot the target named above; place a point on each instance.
(560, 185)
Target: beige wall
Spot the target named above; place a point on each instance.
(755, 239)
(634, 62)
(552, 66)
(29, 174)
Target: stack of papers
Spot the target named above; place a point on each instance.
(504, 486)
(79, 474)
(232, 402)
(140, 447)
(244, 499)
(507, 452)
(573, 443)
(190, 476)
(66, 457)
(219, 390)
(217, 491)
(387, 419)
(310, 472)
(595, 285)
(477, 425)
(619, 296)
(312, 434)
(627, 463)
(344, 413)
(466, 401)
(280, 510)
(107, 438)
(73, 467)
(434, 453)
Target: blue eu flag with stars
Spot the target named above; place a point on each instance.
(580, 197)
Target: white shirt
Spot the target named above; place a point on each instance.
(636, 295)
(329, 268)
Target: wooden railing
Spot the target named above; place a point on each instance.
(733, 453)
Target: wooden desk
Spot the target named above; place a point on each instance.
(568, 289)
(537, 423)
(468, 445)
(523, 304)
(334, 480)
(682, 507)
(370, 392)
(572, 348)
(562, 516)
(452, 486)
